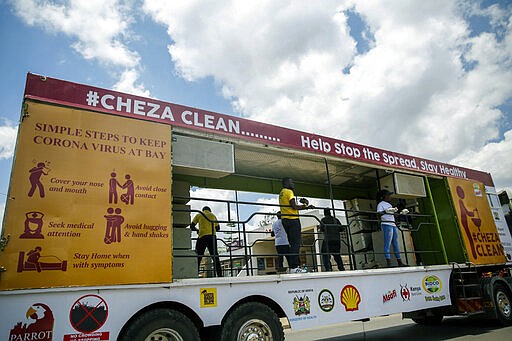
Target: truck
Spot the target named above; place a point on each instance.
(95, 244)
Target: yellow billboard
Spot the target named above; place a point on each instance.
(476, 222)
(90, 201)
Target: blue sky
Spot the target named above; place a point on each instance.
(430, 79)
(32, 49)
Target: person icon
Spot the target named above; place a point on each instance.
(116, 226)
(33, 219)
(114, 222)
(35, 179)
(110, 217)
(464, 214)
(33, 257)
(112, 188)
(129, 196)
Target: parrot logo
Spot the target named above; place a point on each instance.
(37, 324)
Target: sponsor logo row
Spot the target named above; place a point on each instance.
(349, 297)
(431, 285)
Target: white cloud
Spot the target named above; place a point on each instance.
(127, 83)
(427, 86)
(100, 29)
(7, 140)
(220, 209)
(265, 54)
(261, 219)
(496, 157)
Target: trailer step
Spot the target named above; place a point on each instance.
(470, 305)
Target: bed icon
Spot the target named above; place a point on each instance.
(34, 261)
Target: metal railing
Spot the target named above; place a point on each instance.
(243, 251)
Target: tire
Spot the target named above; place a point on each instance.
(252, 321)
(502, 302)
(431, 320)
(161, 324)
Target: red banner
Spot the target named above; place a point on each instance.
(117, 103)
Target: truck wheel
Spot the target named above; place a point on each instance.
(502, 301)
(252, 321)
(161, 325)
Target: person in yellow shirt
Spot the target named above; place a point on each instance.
(208, 225)
(291, 222)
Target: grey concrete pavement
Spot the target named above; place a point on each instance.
(394, 328)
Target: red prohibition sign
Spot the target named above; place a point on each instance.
(88, 314)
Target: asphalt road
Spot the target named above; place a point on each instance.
(394, 328)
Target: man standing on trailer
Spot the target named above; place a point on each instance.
(291, 222)
(388, 225)
(208, 225)
(281, 242)
(331, 245)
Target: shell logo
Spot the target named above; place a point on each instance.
(350, 298)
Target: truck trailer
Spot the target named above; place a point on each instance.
(95, 244)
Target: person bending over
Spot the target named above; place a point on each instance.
(208, 225)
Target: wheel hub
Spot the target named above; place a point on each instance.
(254, 330)
(503, 304)
(164, 334)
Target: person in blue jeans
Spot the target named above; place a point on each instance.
(387, 219)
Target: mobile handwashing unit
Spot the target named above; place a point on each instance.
(94, 244)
